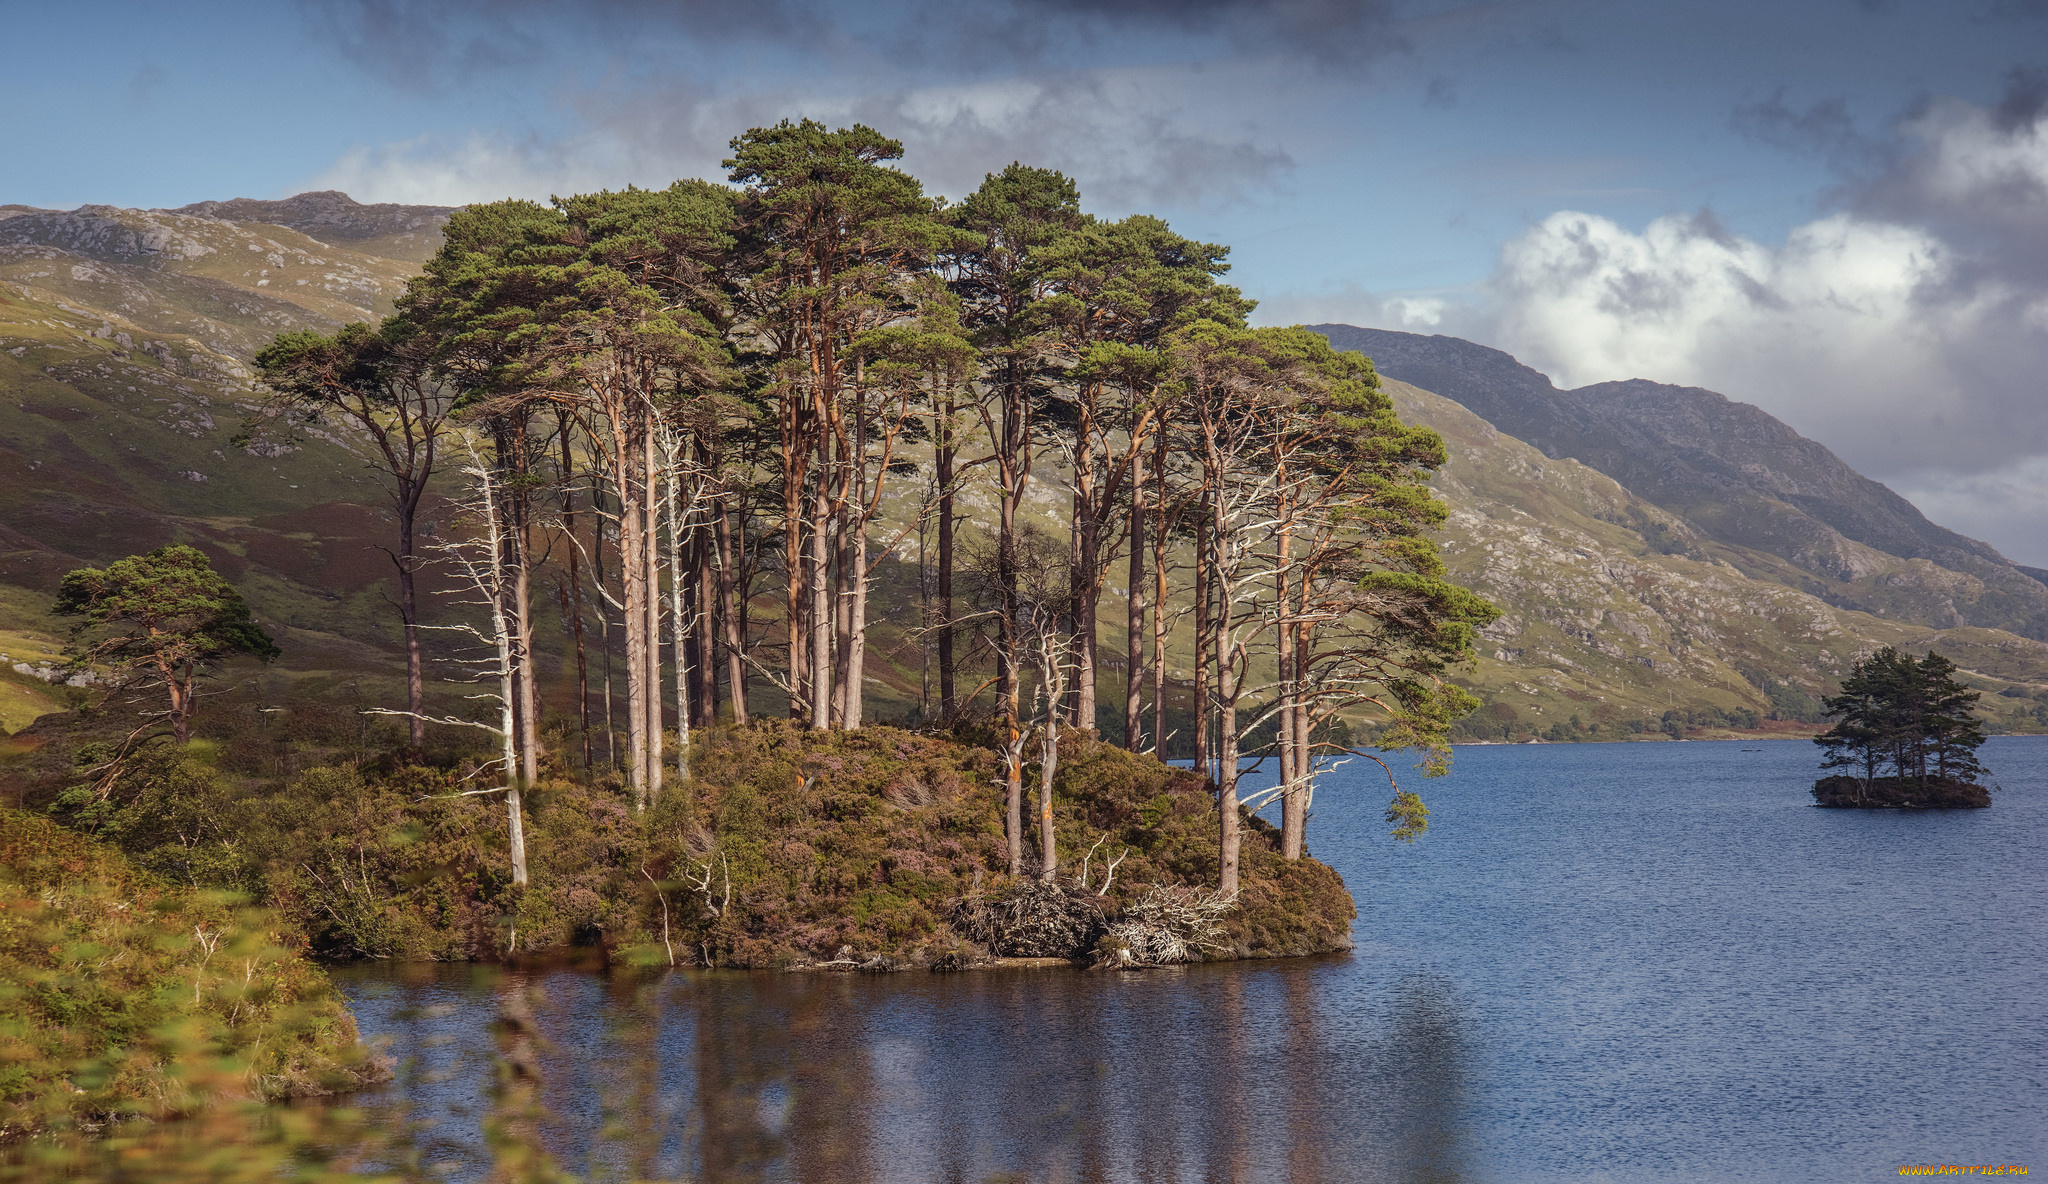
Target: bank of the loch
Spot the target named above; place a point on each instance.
(1900, 793)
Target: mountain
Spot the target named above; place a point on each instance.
(1789, 510)
(1617, 611)
(126, 338)
(411, 233)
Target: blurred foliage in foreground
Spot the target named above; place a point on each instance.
(136, 1016)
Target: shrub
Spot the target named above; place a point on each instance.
(124, 997)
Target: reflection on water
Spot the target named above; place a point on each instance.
(1221, 1073)
(1646, 962)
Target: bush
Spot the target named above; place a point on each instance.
(785, 847)
(124, 997)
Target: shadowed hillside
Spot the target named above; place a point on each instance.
(1737, 476)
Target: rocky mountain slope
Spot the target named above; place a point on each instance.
(1795, 512)
(1618, 611)
(125, 341)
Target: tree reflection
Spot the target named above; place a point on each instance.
(1212, 1073)
(1427, 1060)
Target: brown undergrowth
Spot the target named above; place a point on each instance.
(785, 848)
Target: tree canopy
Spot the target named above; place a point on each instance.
(160, 619)
(761, 390)
(1905, 730)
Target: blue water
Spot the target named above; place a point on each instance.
(1604, 962)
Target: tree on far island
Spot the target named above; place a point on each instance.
(159, 620)
(1906, 729)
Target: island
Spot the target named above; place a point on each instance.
(1905, 736)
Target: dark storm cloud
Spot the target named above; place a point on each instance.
(1824, 127)
(1125, 153)
(1977, 177)
(1328, 32)
(2026, 96)
(1120, 97)
(430, 44)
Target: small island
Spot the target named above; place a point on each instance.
(1905, 736)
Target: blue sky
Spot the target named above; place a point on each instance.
(1835, 209)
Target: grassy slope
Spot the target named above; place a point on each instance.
(1615, 610)
(124, 343)
(120, 995)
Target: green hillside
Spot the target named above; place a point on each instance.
(124, 342)
(126, 339)
(1617, 611)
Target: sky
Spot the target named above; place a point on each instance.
(1834, 209)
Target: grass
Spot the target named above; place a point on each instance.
(106, 972)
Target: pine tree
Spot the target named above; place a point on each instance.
(1906, 728)
(160, 619)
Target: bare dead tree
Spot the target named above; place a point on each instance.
(479, 560)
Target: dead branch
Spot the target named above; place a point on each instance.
(1170, 924)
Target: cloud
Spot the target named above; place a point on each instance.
(436, 45)
(1325, 33)
(1857, 332)
(1125, 135)
(1824, 127)
(430, 45)
(1977, 176)
(432, 171)
(1907, 329)
(143, 86)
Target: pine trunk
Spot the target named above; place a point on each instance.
(1134, 613)
(409, 615)
(1159, 620)
(728, 614)
(949, 705)
(650, 652)
(821, 610)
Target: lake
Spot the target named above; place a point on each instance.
(1605, 962)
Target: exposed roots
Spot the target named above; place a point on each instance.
(1031, 919)
(1168, 925)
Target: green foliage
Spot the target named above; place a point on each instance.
(121, 997)
(159, 619)
(1902, 725)
(1408, 816)
(786, 845)
(168, 606)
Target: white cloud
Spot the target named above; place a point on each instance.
(1831, 331)
(1908, 332)
(1132, 137)
(430, 171)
